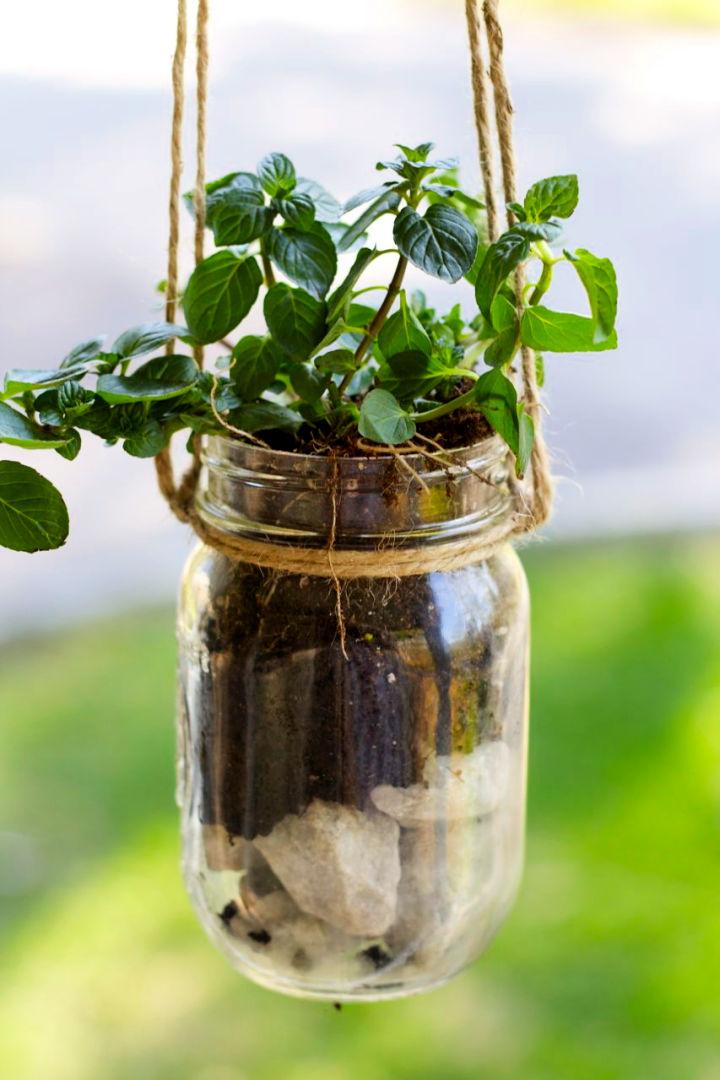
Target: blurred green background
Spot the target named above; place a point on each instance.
(607, 968)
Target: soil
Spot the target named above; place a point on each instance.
(283, 718)
(464, 427)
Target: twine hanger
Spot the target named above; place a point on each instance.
(532, 500)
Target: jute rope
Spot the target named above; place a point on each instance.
(531, 500)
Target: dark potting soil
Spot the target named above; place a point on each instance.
(285, 718)
(464, 427)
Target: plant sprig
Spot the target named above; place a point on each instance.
(339, 354)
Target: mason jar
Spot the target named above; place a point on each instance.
(352, 797)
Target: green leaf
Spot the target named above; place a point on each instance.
(504, 347)
(298, 210)
(538, 230)
(147, 442)
(496, 399)
(307, 258)
(368, 195)
(255, 362)
(556, 331)
(158, 379)
(386, 203)
(264, 416)
(403, 331)
(415, 374)
(600, 282)
(72, 399)
(220, 293)
(342, 296)
(307, 382)
(238, 215)
(72, 447)
(336, 362)
(216, 191)
(33, 514)
(17, 430)
(327, 208)
(526, 437)
(383, 419)
(503, 314)
(295, 319)
(146, 338)
(539, 370)
(501, 258)
(19, 380)
(416, 153)
(555, 197)
(442, 243)
(86, 350)
(277, 174)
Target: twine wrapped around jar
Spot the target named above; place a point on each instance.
(532, 497)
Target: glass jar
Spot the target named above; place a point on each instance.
(352, 826)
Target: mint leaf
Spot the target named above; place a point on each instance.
(277, 174)
(238, 215)
(598, 278)
(308, 383)
(146, 338)
(403, 331)
(557, 196)
(556, 331)
(415, 374)
(383, 419)
(307, 258)
(86, 350)
(327, 208)
(147, 442)
(70, 449)
(158, 379)
(496, 399)
(255, 362)
(17, 430)
(442, 243)
(33, 515)
(386, 203)
(298, 210)
(368, 195)
(501, 258)
(295, 319)
(264, 416)
(19, 380)
(220, 293)
(336, 362)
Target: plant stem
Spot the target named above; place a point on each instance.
(267, 266)
(447, 407)
(543, 282)
(377, 323)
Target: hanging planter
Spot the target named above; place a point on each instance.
(353, 624)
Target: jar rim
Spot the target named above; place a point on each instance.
(302, 499)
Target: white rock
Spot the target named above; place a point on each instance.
(454, 786)
(339, 864)
(447, 886)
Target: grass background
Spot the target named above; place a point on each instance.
(607, 968)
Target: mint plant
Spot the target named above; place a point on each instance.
(341, 360)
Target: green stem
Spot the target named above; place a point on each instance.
(267, 266)
(447, 407)
(379, 320)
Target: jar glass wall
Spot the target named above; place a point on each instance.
(353, 825)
